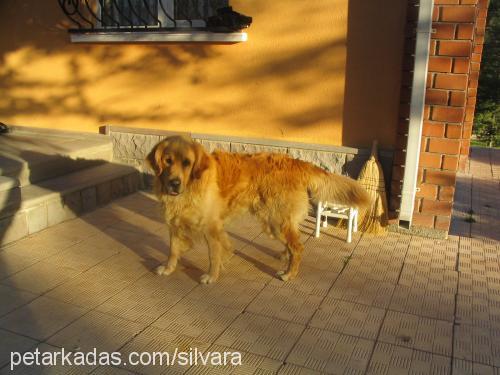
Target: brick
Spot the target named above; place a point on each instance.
(444, 146)
(423, 220)
(450, 81)
(430, 80)
(417, 204)
(475, 67)
(453, 131)
(427, 191)
(465, 31)
(454, 48)
(433, 129)
(457, 14)
(430, 160)
(443, 223)
(436, 207)
(450, 162)
(445, 2)
(472, 92)
(448, 114)
(446, 193)
(466, 133)
(427, 112)
(435, 13)
(442, 178)
(457, 98)
(443, 31)
(439, 97)
(461, 66)
(440, 64)
(478, 49)
(476, 57)
(423, 144)
(471, 101)
(470, 2)
(462, 163)
(469, 113)
(464, 150)
(433, 48)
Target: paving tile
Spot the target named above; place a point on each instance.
(432, 304)
(13, 298)
(309, 280)
(55, 368)
(109, 370)
(285, 303)
(11, 262)
(348, 318)
(86, 291)
(83, 255)
(138, 304)
(247, 268)
(429, 278)
(290, 369)
(416, 332)
(123, 266)
(326, 253)
(359, 289)
(154, 339)
(462, 367)
(478, 312)
(250, 364)
(477, 344)
(197, 319)
(96, 330)
(261, 335)
(12, 342)
(229, 291)
(40, 277)
(331, 352)
(392, 359)
(41, 318)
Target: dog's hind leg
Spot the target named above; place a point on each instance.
(178, 245)
(227, 248)
(290, 235)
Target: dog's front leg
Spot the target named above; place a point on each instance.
(215, 248)
(178, 245)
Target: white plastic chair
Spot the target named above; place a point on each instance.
(326, 210)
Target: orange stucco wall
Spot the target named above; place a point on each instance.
(323, 71)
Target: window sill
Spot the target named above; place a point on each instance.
(156, 37)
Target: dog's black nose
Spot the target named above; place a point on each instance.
(175, 182)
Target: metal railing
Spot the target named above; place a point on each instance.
(141, 15)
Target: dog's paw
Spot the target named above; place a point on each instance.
(284, 256)
(207, 279)
(283, 275)
(162, 270)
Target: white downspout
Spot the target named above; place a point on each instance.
(424, 29)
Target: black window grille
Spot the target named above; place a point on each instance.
(120, 15)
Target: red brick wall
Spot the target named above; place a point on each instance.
(455, 55)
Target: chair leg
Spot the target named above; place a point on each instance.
(355, 229)
(349, 226)
(318, 218)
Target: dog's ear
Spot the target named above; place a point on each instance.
(201, 161)
(155, 158)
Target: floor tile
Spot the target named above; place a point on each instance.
(12, 342)
(261, 335)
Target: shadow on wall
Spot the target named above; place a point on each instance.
(375, 42)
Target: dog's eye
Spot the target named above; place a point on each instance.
(186, 162)
(168, 161)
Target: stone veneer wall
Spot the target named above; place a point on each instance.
(130, 146)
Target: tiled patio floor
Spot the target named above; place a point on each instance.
(380, 305)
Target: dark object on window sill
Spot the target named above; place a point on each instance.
(3, 128)
(227, 21)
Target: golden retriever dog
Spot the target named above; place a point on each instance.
(198, 191)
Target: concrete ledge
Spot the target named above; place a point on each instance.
(157, 37)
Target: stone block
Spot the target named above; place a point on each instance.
(37, 218)
(330, 161)
(211, 146)
(103, 193)
(248, 148)
(89, 199)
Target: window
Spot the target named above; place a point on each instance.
(138, 21)
(158, 13)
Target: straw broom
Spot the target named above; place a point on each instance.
(374, 219)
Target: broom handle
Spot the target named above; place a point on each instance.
(374, 149)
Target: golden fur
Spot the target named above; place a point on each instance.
(198, 191)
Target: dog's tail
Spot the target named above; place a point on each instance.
(337, 189)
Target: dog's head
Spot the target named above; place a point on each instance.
(176, 162)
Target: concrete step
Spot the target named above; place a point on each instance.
(30, 156)
(29, 209)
